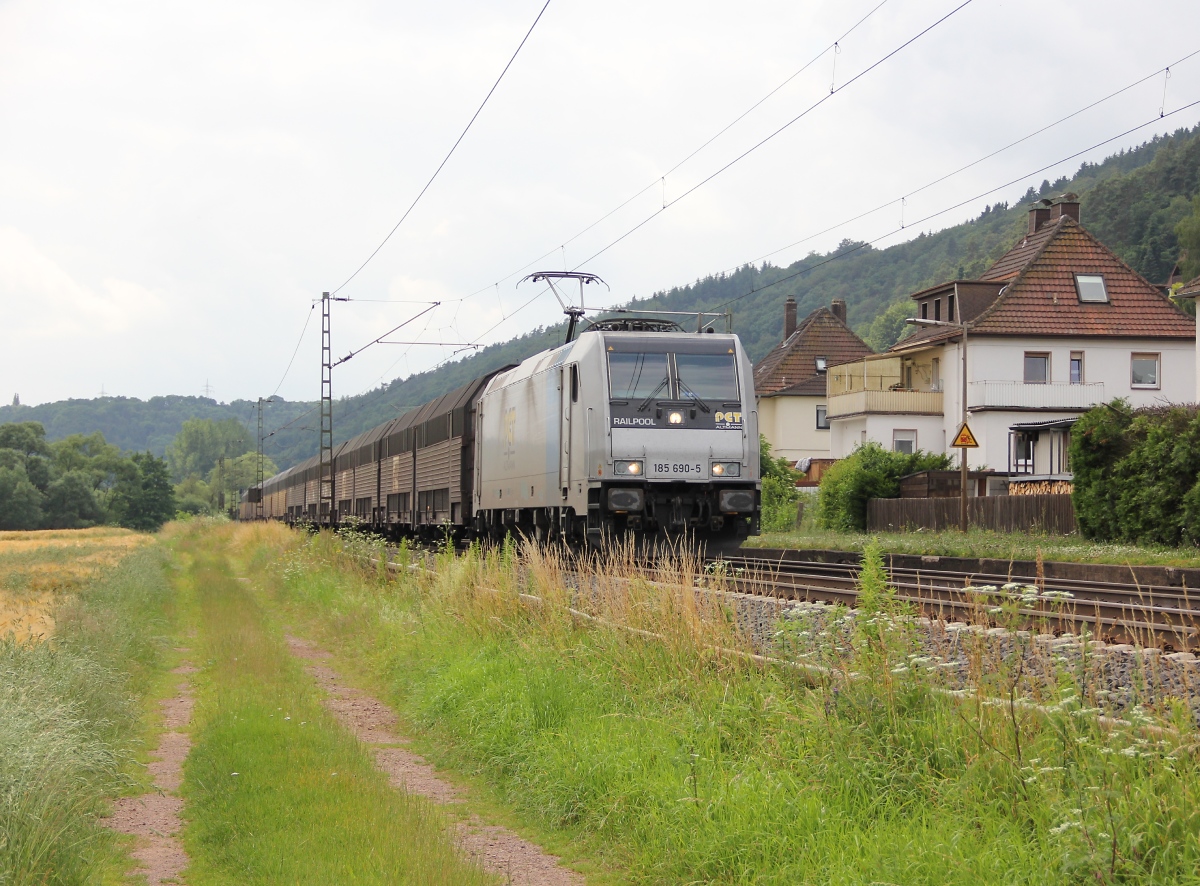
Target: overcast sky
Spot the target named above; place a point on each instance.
(179, 181)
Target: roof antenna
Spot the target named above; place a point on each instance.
(552, 278)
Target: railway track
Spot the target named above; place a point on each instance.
(1150, 615)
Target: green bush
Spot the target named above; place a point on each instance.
(779, 493)
(870, 472)
(1137, 474)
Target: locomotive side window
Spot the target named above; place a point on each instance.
(637, 376)
(574, 382)
(707, 376)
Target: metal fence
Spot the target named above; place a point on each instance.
(1054, 514)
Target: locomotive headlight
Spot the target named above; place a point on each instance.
(675, 418)
(726, 469)
(627, 468)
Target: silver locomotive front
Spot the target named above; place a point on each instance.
(682, 435)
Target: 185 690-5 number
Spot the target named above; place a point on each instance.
(686, 468)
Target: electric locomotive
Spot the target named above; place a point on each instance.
(634, 426)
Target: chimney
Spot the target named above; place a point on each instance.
(1038, 215)
(838, 308)
(789, 318)
(1068, 204)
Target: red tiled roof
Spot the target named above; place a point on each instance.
(1027, 249)
(791, 368)
(1041, 299)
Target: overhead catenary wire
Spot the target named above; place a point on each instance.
(450, 153)
(863, 245)
(661, 180)
(746, 153)
(296, 351)
(974, 163)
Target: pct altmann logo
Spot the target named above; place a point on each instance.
(728, 418)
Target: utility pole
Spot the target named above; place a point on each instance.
(258, 505)
(964, 474)
(325, 493)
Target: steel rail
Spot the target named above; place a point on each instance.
(1151, 615)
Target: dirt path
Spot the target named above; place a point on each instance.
(497, 849)
(155, 817)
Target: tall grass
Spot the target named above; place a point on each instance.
(673, 756)
(69, 714)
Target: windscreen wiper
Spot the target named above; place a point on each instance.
(646, 403)
(696, 397)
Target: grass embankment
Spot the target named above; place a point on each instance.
(71, 709)
(984, 544)
(277, 791)
(671, 763)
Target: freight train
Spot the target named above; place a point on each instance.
(632, 427)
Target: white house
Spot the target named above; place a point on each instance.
(790, 381)
(1057, 325)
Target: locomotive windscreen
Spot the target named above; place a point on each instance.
(637, 376)
(707, 376)
(691, 373)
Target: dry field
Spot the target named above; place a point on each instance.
(38, 568)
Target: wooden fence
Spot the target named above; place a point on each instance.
(1054, 514)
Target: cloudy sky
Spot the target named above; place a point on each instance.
(179, 181)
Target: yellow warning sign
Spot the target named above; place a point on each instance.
(964, 439)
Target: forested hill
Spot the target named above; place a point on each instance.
(1132, 201)
(139, 425)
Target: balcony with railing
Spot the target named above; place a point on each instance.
(882, 385)
(1019, 395)
(895, 402)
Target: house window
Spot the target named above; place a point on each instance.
(935, 375)
(1091, 288)
(950, 309)
(1144, 371)
(924, 310)
(904, 441)
(1037, 369)
(937, 309)
(1077, 367)
(822, 364)
(822, 418)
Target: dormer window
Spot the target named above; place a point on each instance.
(822, 364)
(924, 310)
(1091, 288)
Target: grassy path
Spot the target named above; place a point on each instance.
(497, 849)
(276, 790)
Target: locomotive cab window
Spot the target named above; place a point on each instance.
(638, 376)
(574, 382)
(707, 376)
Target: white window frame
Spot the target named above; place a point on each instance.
(1078, 355)
(1092, 301)
(896, 432)
(1025, 374)
(1157, 357)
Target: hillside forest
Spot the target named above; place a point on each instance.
(1143, 203)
